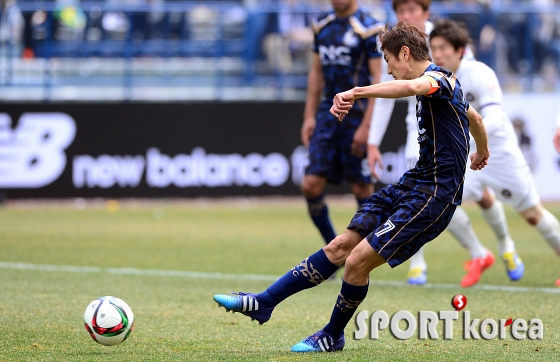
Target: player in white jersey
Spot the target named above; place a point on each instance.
(416, 12)
(508, 176)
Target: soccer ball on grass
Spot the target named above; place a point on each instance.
(108, 320)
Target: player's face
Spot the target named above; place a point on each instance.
(396, 66)
(412, 14)
(444, 54)
(341, 5)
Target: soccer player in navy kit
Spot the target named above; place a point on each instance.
(345, 55)
(399, 219)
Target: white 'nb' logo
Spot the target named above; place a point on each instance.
(32, 155)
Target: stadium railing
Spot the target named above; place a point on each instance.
(223, 49)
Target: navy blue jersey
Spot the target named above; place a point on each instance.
(443, 134)
(344, 46)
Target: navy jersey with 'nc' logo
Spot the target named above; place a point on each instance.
(443, 134)
(344, 46)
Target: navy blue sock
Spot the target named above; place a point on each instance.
(319, 213)
(348, 301)
(361, 201)
(309, 273)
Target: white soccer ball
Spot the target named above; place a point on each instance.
(108, 320)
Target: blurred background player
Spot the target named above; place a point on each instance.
(416, 12)
(397, 220)
(345, 55)
(556, 139)
(508, 175)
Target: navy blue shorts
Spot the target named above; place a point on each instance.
(398, 221)
(330, 150)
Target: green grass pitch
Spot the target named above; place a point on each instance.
(133, 249)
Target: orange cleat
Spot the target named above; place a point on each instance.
(475, 267)
(558, 283)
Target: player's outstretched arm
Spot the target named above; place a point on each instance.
(479, 159)
(343, 102)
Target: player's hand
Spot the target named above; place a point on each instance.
(307, 130)
(342, 103)
(374, 159)
(556, 140)
(479, 159)
(359, 143)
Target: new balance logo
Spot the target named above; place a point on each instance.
(32, 155)
(388, 226)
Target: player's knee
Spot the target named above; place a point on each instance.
(355, 267)
(532, 220)
(311, 189)
(487, 200)
(338, 245)
(485, 203)
(533, 215)
(352, 263)
(338, 249)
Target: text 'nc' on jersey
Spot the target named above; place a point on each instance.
(345, 45)
(443, 135)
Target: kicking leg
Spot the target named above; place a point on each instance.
(308, 274)
(417, 218)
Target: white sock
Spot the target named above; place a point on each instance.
(417, 260)
(549, 228)
(460, 227)
(495, 217)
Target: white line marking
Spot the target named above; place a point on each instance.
(259, 277)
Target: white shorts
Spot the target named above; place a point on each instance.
(508, 175)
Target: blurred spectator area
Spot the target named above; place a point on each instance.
(157, 48)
